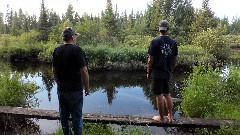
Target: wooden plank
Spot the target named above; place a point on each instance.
(118, 119)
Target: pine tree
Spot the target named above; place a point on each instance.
(148, 20)
(54, 19)
(8, 19)
(205, 18)
(76, 19)
(139, 24)
(15, 27)
(21, 18)
(69, 14)
(110, 23)
(34, 24)
(1, 23)
(43, 24)
(184, 16)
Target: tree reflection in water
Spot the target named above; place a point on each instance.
(108, 81)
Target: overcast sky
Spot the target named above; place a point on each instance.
(229, 8)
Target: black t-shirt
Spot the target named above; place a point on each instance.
(163, 48)
(68, 59)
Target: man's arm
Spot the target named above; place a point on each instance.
(85, 76)
(149, 66)
(54, 70)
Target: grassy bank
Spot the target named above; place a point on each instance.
(17, 93)
(213, 93)
(107, 129)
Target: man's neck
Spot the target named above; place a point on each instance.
(69, 42)
(163, 34)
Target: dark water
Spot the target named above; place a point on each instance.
(112, 92)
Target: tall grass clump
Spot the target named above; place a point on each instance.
(46, 55)
(200, 92)
(213, 42)
(190, 55)
(108, 129)
(16, 92)
(104, 56)
(213, 93)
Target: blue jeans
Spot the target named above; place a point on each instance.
(71, 103)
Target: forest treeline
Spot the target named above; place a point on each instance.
(197, 30)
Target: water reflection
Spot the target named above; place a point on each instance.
(104, 84)
(112, 92)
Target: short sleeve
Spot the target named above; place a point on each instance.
(54, 61)
(175, 53)
(151, 50)
(82, 59)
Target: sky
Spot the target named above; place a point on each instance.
(221, 8)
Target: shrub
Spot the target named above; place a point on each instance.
(191, 55)
(108, 129)
(213, 42)
(15, 92)
(198, 95)
(100, 55)
(46, 54)
(20, 51)
(138, 41)
(211, 93)
(4, 39)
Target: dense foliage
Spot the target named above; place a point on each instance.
(119, 38)
(107, 129)
(16, 92)
(213, 93)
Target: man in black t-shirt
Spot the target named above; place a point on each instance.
(70, 71)
(162, 60)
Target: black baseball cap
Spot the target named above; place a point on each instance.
(163, 25)
(69, 31)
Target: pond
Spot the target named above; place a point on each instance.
(112, 92)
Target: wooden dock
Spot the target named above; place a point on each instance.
(118, 119)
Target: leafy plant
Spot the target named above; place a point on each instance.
(210, 93)
(213, 42)
(108, 129)
(15, 92)
(191, 55)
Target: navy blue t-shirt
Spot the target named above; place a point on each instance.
(163, 48)
(68, 59)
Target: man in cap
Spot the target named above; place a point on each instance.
(70, 71)
(161, 63)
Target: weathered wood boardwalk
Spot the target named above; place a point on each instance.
(118, 119)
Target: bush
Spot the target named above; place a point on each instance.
(222, 131)
(138, 41)
(46, 55)
(191, 55)
(212, 94)
(213, 42)
(14, 92)
(101, 55)
(4, 39)
(20, 52)
(199, 99)
(108, 129)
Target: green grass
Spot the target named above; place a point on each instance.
(108, 129)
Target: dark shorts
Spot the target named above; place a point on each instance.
(160, 86)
